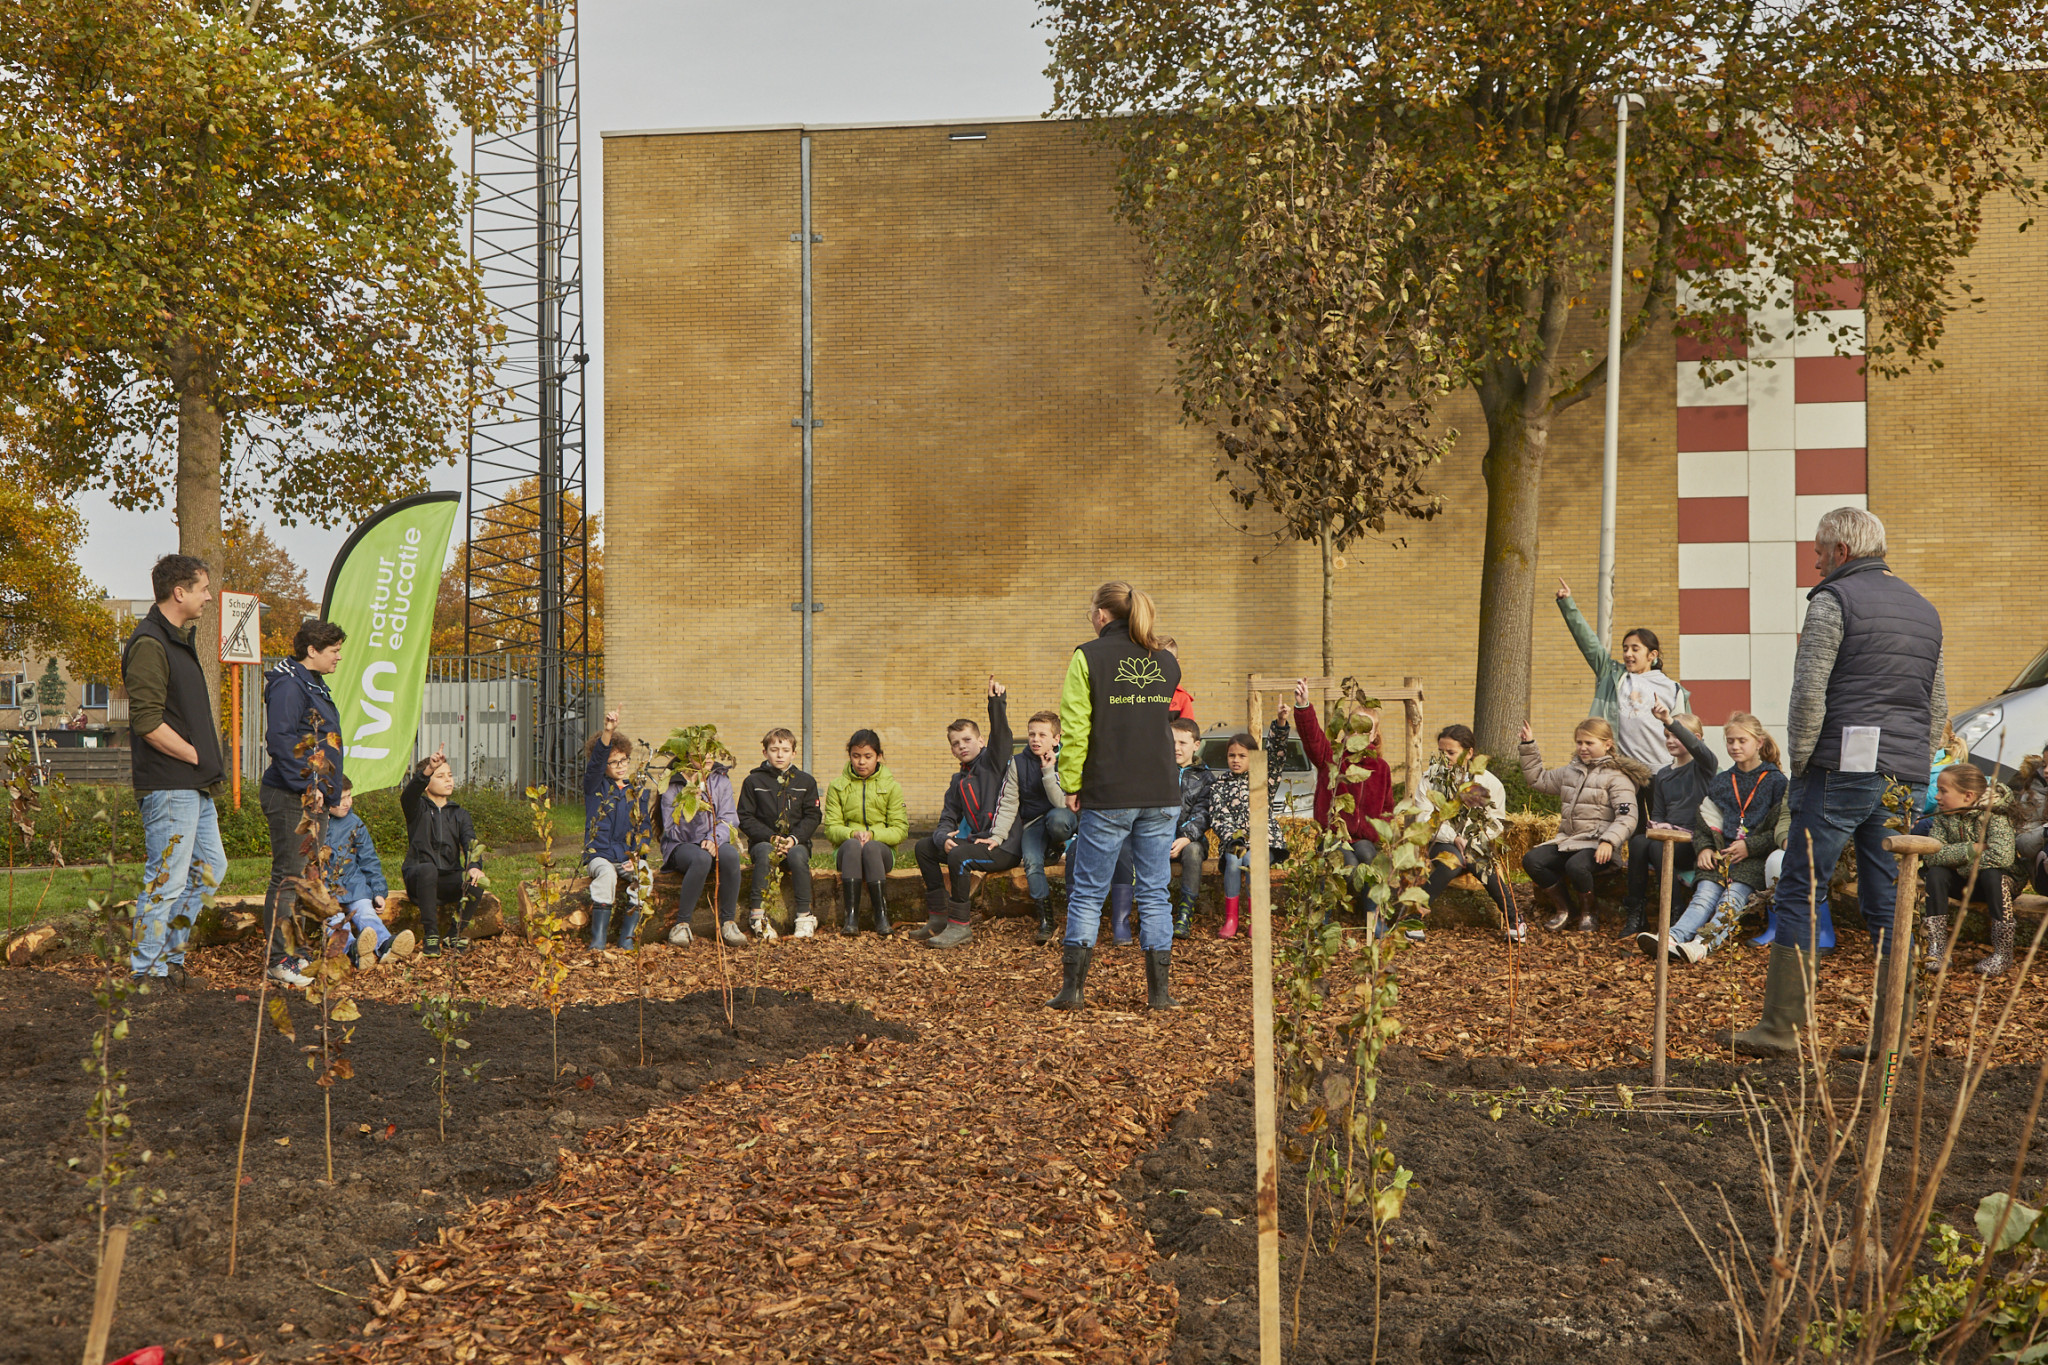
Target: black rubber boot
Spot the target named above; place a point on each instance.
(1784, 1012)
(934, 915)
(852, 924)
(1158, 967)
(1073, 976)
(878, 892)
(1183, 911)
(1635, 919)
(1044, 932)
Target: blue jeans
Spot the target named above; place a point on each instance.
(1713, 911)
(1051, 830)
(182, 862)
(1835, 808)
(1091, 863)
(362, 915)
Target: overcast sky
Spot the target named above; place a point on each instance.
(689, 64)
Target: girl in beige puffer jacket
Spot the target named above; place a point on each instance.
(1597, 790)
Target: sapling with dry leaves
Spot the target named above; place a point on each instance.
(694, 751)
(544, 923)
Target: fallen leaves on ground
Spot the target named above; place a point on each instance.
(951, 1198)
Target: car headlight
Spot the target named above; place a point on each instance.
(1979, 726)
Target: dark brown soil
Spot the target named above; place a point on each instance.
(306, 1247)
(1525, 1239)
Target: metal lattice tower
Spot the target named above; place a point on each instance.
(526, 575)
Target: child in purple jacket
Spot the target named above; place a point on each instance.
(690, 845)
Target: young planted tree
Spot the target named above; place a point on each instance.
(693, 751)
(1802, 139)
(231, 252)
(543, 923)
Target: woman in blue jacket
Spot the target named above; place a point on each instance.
(302, 720)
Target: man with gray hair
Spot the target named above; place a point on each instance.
(1868, 707)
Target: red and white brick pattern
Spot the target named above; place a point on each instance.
(1761, 456)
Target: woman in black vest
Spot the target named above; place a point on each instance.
(1118, 770)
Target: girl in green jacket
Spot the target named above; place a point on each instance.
(866, 817)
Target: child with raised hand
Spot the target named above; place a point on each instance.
(1230, 816)
(355, 875)
(692, 845)
(1042, 811)
(779, 813)
(1627, 690)
(1465, 838)
(1962, 797)
(1191, 835)
(1734, 834)
(1371, 799)
(1597, 793)
(610, 807)
(865, 818)
(442, 864)
(978, 829)
(1675, 793)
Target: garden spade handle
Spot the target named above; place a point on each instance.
(1663, 836)
(1887, 1041)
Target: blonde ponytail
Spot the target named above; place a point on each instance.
(1125, 603)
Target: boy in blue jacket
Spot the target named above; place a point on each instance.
(355, 874)
(609, 808)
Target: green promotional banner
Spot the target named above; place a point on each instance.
(381, 590)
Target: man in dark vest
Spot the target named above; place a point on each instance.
(177, 768)
(1868, 706)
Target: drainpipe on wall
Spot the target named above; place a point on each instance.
(809, 423)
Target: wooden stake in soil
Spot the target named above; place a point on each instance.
(103, 1295)
(1887, 1039)
(1667, 837)
(248, 1099)
(1264, 1108)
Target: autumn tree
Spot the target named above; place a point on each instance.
(1300, 337)
(508, 617)
(231, 252)
(46, 604)
(1781, 143)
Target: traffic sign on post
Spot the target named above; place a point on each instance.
(241, 632)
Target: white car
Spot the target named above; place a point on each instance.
(2001, 732)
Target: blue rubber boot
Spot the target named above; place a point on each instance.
(1121, 899)
(1825, 942)
(1770, 933)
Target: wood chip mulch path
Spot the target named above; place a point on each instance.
(951, 1198)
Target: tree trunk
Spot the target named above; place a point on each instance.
(198, 494)
(1329, 605)
(1515, 448)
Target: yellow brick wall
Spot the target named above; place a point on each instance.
(1000, 437)
(1956, 469)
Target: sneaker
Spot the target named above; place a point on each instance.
(1519, 934)
(1647, 943)
(1413, 935)
(458, 944)
(730, 932)
(952, 936)
(757, 922)
(178, 977)
(432, 948)
(284, 973)
(365, 954)
(806, 925)
(399, 948)
(1691, 952)
(680, 936)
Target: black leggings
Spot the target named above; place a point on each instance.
(1441, 875)
(938, 863)
(695, 865)
(1944, 883)
(864, 862)
(1547, 865)
(1644, 867)
(430, 888)
(796, 861)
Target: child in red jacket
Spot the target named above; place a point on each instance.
(1370, 799)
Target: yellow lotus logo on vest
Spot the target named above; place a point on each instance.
(1140, 674)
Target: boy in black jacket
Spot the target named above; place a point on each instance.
(779, 812)
(978, 829)
(1191, 836)
(441, 865)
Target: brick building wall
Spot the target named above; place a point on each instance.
(999, 437)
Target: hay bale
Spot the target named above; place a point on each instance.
(1521, 831)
